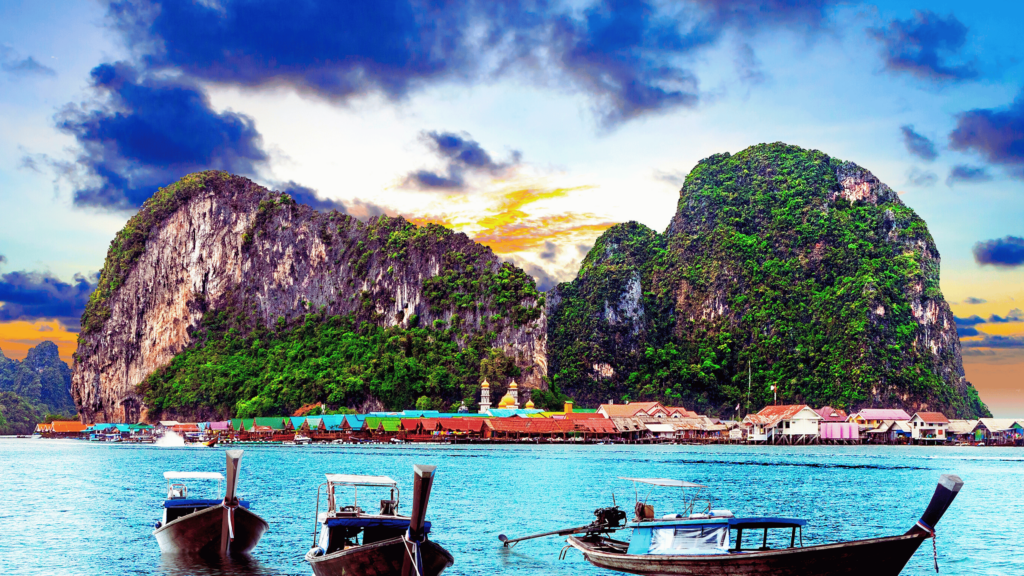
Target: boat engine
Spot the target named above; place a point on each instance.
(608, 519)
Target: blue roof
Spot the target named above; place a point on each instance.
(333, 421)
(297, 421)
(397, 522)
(198, 503)
(355, 421)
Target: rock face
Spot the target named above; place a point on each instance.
(782, 266)
(42, 379)
(215, 242)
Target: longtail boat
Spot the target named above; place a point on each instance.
(348, 541)
(697, 543)
(208, 526)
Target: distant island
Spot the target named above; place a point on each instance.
(34, 390)
(782, 267)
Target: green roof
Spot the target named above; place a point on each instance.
(390, 424)
(275, 422)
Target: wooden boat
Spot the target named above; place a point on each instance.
(208, 526)
(698, 543)
(352, 542)
(210, 443)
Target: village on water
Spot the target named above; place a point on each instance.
(632, 422)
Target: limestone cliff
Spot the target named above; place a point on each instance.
(217, 257)
(802, 269)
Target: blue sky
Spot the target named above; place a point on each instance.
(596, 109)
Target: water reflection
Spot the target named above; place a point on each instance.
(237, 565)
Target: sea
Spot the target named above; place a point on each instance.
(86, 508)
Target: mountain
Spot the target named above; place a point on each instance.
(42, 379)
(782, 266)
(223, 298)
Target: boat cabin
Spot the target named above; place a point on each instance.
(343, 526)
(700, 529)
(180, 502)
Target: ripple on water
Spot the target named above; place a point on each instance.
(69, 507)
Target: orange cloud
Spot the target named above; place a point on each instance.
(17, 337)
(506, 224)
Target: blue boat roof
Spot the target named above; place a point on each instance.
(374, 522)
(199, 503)
(749, 523)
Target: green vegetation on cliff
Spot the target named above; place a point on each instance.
(130, 242)
(769, 263)
(332, 359)
(34, 388)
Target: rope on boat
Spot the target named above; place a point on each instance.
(414, 557)
(935, 550)
(231, 517)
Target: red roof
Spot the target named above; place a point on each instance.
(67, 426)
(830, 414)
(930, 417)
(601, 426)
(775, 414)
(531, 425)
(185, 428)
(462, 424)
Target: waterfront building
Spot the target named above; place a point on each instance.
(961, 430)
(929, 427)
(830, 414)
(998, 430)
(872, 417)
(792, 424)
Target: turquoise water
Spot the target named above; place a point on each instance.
(71, 507)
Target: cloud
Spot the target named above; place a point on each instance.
(917, 144)
(45, 328)
(997, 319)
(973, 300)
(922, 178)
(3, 259)
(972, 321)
(964, 174)
(461, 155)
(749, 67)
(12, 64)
(549, 252)
(995, 342)
(310, 197)
(626, 56)
(674, 177)
(1015, 315)
(145, 132)
(545, 281)
(924, 46)
(965, 331)
(1005, 252)
(996, 134)
(38, 295)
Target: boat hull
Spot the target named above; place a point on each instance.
(200, 532)
(382, 558)
(877, 556)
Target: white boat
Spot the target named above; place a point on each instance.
(208, 526)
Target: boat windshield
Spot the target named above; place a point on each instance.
(690, 540)
(337, 493)
(177, 490)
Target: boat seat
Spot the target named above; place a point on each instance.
(388, 507)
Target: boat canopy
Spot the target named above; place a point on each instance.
(665, 482)
(193, 476)
(357, 480)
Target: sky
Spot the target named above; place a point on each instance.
(530, 126)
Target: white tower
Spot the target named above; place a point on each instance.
(485, 398)
(513, 390)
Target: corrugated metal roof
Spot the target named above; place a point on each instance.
(932, 417)
(830, 414)
(883, 414)
(70, 426)
(275, 422)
